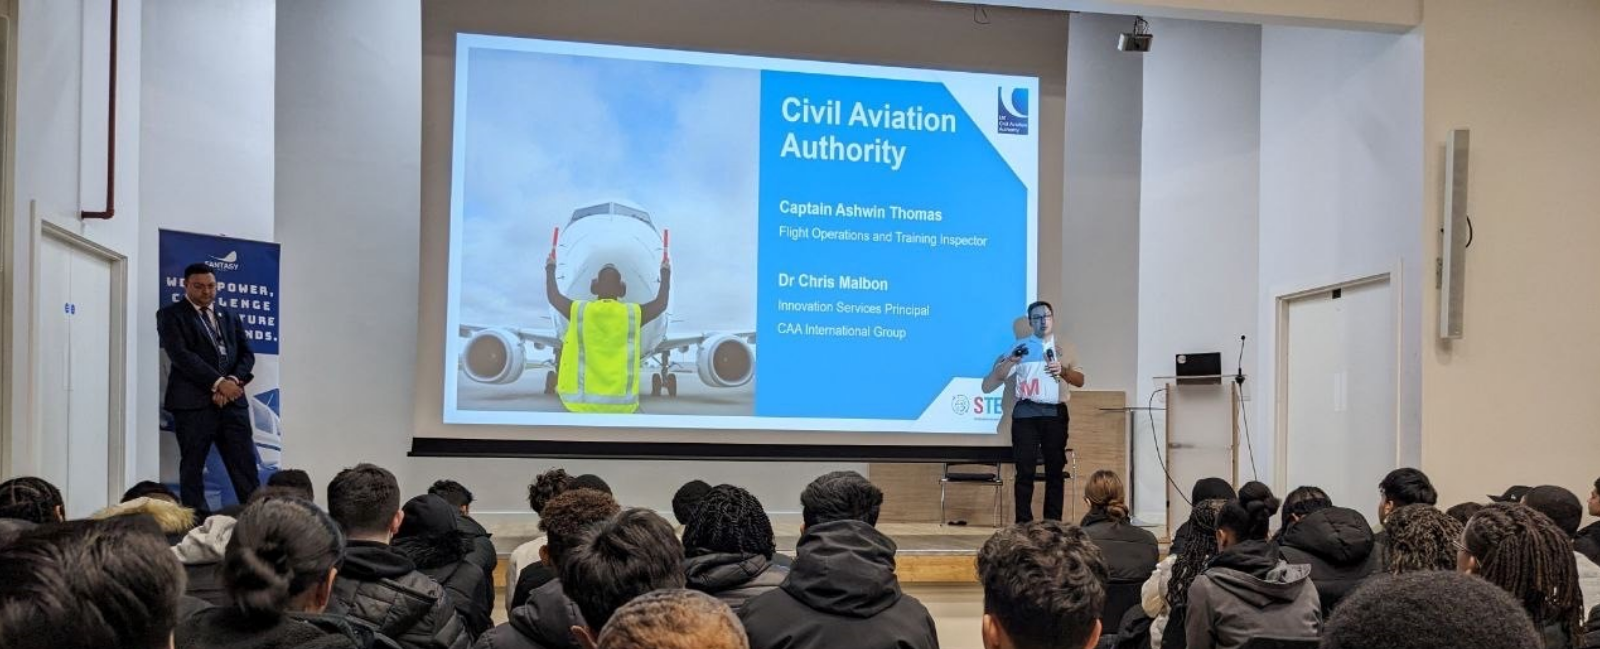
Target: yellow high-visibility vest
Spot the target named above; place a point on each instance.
(599, 367)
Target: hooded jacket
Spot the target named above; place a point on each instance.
(733, 578)
(382, 588)
(430, 538)
(483, 554)
(174, 520)
(1587, 542)
(200, 551)
(545, 621)
(1130, 552)
(226, 628)
(1249, 591)
(1338, 544)
(841, 592)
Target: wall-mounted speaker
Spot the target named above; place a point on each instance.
(1456, 235)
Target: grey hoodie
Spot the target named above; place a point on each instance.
(1248, 592)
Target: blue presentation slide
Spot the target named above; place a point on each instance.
(798, 245)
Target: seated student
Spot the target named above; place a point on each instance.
(483, 554)
(1254, 491)
(842, 590)
(545, 486)
(1165, 594)
(174, 519)
(1588, 538)
(1043, 587)
(1204, 489)
(295, 479)
(1421, 538)
(430, 537)
(1562, 508)
(674, 619)
(149, 489)
(730, 548)
(685, 500)
(1463, 512)
(546, 619)
(1130, 552)
(279, 572)
(1522, 551)
(1399, 488)
(1303, 500)
(1336, 542)
(377, 585)
(89, 585)
(1248, 590)
(631, 554)
(1429, 611)
(538, 574)
(31, 499)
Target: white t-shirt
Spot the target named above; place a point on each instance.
(1031, 376)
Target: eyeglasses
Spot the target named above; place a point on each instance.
(1040, 318)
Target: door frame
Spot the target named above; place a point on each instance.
(1280, 401)
(117, 362)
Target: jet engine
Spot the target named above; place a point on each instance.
(725, 361)
(494, 356)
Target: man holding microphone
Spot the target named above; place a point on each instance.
(1039, 370)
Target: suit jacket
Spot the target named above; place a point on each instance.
(196, 361)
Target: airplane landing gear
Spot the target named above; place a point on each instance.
(550, 382)
(665, 379)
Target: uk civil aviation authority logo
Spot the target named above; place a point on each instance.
(1013, 111)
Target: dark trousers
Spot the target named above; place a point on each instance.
(1031, 436)
(229, 429)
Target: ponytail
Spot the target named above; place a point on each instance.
(1105, 494)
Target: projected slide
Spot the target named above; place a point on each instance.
(846, 246)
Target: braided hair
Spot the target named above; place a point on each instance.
(1523, 551)
(729, 519)
(1420, 538)
(30, 499)
(1196, 553)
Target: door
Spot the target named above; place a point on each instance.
(1342, 355)
(76, 321)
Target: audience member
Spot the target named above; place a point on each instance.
(1429, 611)
(296, 479)
(279, 570)
(376, 584)
(1562, 508)
(1204, 489)
(1338, 545)
(1513, 494)
(201, 552)
(1165, 594)
(173, 519)
(149, 489)
(483, 554)
(685, 500)
(545, 486)
(1248, 590)
(1522, 551)
(1254, 491)
(1401, 487)
(1303, 500)
(1043, 587)
(1130, 553)
(1588, 541)
(1420, 538)
(590, 481)
(546, 619)
(842, 590)
(31, 499)
(431, 538)
(729, 546)
(539, 573)
(631, 554)
(89, 585)
(674, 619)
(1463, 512)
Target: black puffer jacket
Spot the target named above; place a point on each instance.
(430, 538)
(1339, 545)
(226, 628)
(483, 554)
(733, 578)
(841, 592)
(383, 589)
(1587, 542)
(1130, 552)
(545, 621)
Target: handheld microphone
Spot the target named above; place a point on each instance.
(1050, 356)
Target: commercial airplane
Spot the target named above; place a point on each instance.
(622, 236)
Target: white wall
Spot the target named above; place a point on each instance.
(1341, 188)
(1099, 307)
(1198, 198)
(62, 66)
(207, 142)
(1513, 402)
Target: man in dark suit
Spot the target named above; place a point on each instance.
(211, 362)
